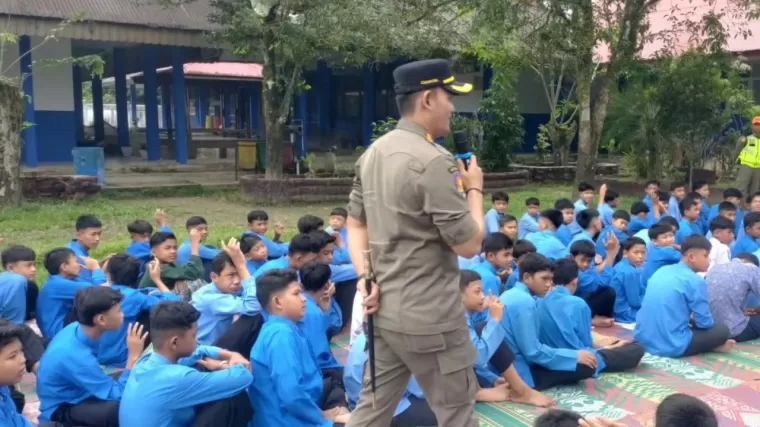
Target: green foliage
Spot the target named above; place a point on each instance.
(503, 130)
(381, 127)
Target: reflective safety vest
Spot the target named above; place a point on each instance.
(750, 154)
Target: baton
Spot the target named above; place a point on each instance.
(369, 278)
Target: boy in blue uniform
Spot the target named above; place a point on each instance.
(653, 186)
(566, 323)
(618, 227)
(499, 203)
(18, 291)
(529, 221)
(255, 252)
(207, 253)
(701, 188)
(231, 293)
(288, 388)
(72, 387)
(165, 389)
(343, 276)
(258, 224)
(608, 208)
(564, 232)
(497, 264)
(627, 280)
(640, 219)
(590, 224)
(538, 364)
(728, 211)
(545, 240)
(733, 196)
(89, 230)
(662, 252)
(676, 295)
(337, 223)
(689, 224)
(139, 234)
(747, 241)
(594, 280)
(508, 226)
(519, 251)
(677, 193)
(303, 248)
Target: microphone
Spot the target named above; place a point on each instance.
(462, 148)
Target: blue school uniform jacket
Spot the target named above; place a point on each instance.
(548, 245)
(513, 278)
(274, 264)
(492, 221)
(605, 213)
(253, 266)
(604, 235)
(658, 257)
(13, 297)
(522, 329)
(704, 225)
(745, 243)
(528, 224)
(287, 384)
(564, 234)
(566, 323)
(686, 229)
(95, 277)
(164, 394)
(9, 416)
(739, 222)
(583, 235)
(485, 344)
(491, 282)
(55, 301)
(637, 224)
(591, 280)
(111, 348)
(218, 309)
(342, 273)
(673, 208)
(274, 249)
(644, 235)
(629, 291)
(315, 325)
(207, 253)
(662, 324)
(70, 373)
(141, 250)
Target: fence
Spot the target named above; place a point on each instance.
(109, 116)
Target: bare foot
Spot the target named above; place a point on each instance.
(533, 398)
(499, 393)
(602, 322)
(726, 347)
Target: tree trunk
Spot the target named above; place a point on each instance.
(271, 98)
(11, 121)
(586, 157)
(653, 160)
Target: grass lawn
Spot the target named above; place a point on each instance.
(46, 225)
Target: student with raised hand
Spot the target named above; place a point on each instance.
(618, 226)
(586, 196)
(139, 234)
(258, 224)
(288, 388)
(627, 280)
(608, 208)
(728, 289)
(547, 244)
(565, 322)
(497, 264)
(165, 389)
(205, 252)
(689, 225)
(182, 279)
(123, 275)
(231, 293)
(564, 233)
(529, 221)
(539, 365)
(676, 294)
(303, 248)
(18, 291)
(594, 280)
(499, 204)
(255, 252)
(661, 253)
(681, 410)
(88, 232)
(72, 387)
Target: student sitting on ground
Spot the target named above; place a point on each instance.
(539, 365)
(288, 388)
(627, 280)
(586, 196)
(343, 276)
(564, 233)
(590, 223)
(728, 287)
(497, 264)
(337, 223)
(651, 189)
(608, 208)
(494, 364)
(545, 240)
(57, 295)
(721, 236)
(72, 388)
(182, 279)
(139, 234)
(303, 248)
(674, 294)
(18, 291)
(255, 252)
(677, 193)
(519, 251)
(165, 389)
(123, 275)
(258, 224)
(310, 224)
(689, 225)
(681, 410)
(667, 221)
(232, 292)
(566, 323)
(508, 226)
(594, 283)
(87, 238)
(618, 227)
(207, 253)
(701, 188)
(640, 218)
(747, 242)
(734, 197)
(529, 221)
(499, 203)
(662, 252)
(728, 211)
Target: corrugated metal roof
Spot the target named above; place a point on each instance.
(193, 16)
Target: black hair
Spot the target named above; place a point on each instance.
(749, 257)
(9, 332)
(161, 237)
(534, 263)
(726, 206)
(653, 182)
(663, 196)
(694, 195)
(695, 243)
(56, 258)
(500, 196)
(314, 276)
(320, 239)
(495, 242)
(171, 317)
(140, 226)
(532, 201)
(17, 253)
(732, 192)
(257, 215)
(523, 247)
(565, 271)
(221, 260)
(248, 241)
(721, 223)
(696, 185)
(405, 101)
(680, 410)
(687, 203)
(586, 217)
(87, 221)
(506, 219)
(310, 223)
(94, 300)
(124, 269)
(585, 186)
(611, 195)
(658, 230)
(670, 222)
(339, 212)
(677, 184)
(563, 204)
(195, 221)
(583, 247)
(466, 277)
(621, 214)
(554, 216)
(631, 242)
(273, 282)
(751, 219)
(639, 208)
(558, 418)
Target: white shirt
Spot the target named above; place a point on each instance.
(357, 318)
(719, 253)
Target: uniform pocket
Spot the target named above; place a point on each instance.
(458, 381)
(424, 343)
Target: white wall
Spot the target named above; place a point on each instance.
(471, 102)
(10, 55)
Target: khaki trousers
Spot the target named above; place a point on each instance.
(442, 364)
(748, 180)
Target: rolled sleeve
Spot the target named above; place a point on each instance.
(444, 203)
(355, 206)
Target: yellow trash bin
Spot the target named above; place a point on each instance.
(209, 124)
(247, 155)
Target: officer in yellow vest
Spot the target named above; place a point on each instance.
(748, 157)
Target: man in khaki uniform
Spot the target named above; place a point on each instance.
(747, 154)
(417, 209)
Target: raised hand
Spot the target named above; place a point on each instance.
(136, 340)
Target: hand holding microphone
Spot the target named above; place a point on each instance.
(472, 175)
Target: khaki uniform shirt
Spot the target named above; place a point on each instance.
(408, 192)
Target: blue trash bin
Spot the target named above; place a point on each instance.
(90, 161)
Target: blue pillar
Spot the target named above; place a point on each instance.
(487, 77)
(324, 77)
(120, 83)
(151, 102)
(226, 107)
(166, 105)
(302, 113)
(78, 106)
(133, 101)
(97, 108)
(30, 134)
(255, 109)
(368, 105)
(203, 103)
(180, 105)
